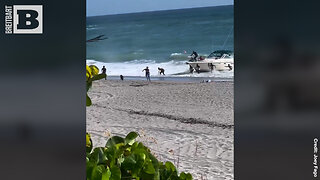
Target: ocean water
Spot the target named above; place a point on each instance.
(159, 39)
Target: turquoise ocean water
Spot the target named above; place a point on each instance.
(159, 39)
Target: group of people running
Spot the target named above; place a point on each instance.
(147, 70)
(194, 56)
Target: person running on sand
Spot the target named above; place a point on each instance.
(147, 73)
(104, 70)
(161, 70)
(121, 77)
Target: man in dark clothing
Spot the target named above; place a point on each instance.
(121, 77)
(194, 55)
(198, 68)
(161, 70)
(104, 70)
(191, 69)
(211, 66)
(230, 67)
(147, 73)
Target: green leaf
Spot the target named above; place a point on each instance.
(113, 141)
(111, 154)
(106, 174)
(98, 156)
(141, 156)
(88, 72)
(120, 159)
(89, 85)
(168, 171)
(88, 103)
(89, 168)
(188, 176)
(115, 173)
(155, 164)
(130, 138)
(140, 147)
(97, 173)
(127, 159)
(129, 162)
(88, 143)
(97, 77)
(182, 176)
(149, 169)
(134, 146)
(170, 167)
(94, 70)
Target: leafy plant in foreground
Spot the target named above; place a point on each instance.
(92, 74)
(124, 158)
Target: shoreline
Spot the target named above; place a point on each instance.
(171, 79)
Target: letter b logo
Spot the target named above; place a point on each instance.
(27, 19)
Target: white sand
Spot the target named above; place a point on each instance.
(190, 124)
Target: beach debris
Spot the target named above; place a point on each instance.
(138, 85)
(98, 38)
(180, 119)
(206, 81)
(107, 133)
(195, 152)
(171, 151)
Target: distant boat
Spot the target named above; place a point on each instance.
(220, 60)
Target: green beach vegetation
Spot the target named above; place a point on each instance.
(92, 74)
(125, 158)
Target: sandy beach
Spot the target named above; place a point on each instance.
(187, 123)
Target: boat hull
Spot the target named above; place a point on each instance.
(207, 66)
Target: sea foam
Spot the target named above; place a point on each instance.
(172, 68)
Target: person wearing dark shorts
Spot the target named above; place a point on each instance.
(211, 66)
(198, 68)
(104, 71)
(147, 73)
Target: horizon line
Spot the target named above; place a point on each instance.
(158, 10)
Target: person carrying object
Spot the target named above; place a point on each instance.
(161, 70)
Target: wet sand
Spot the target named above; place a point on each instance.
(188, 123)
